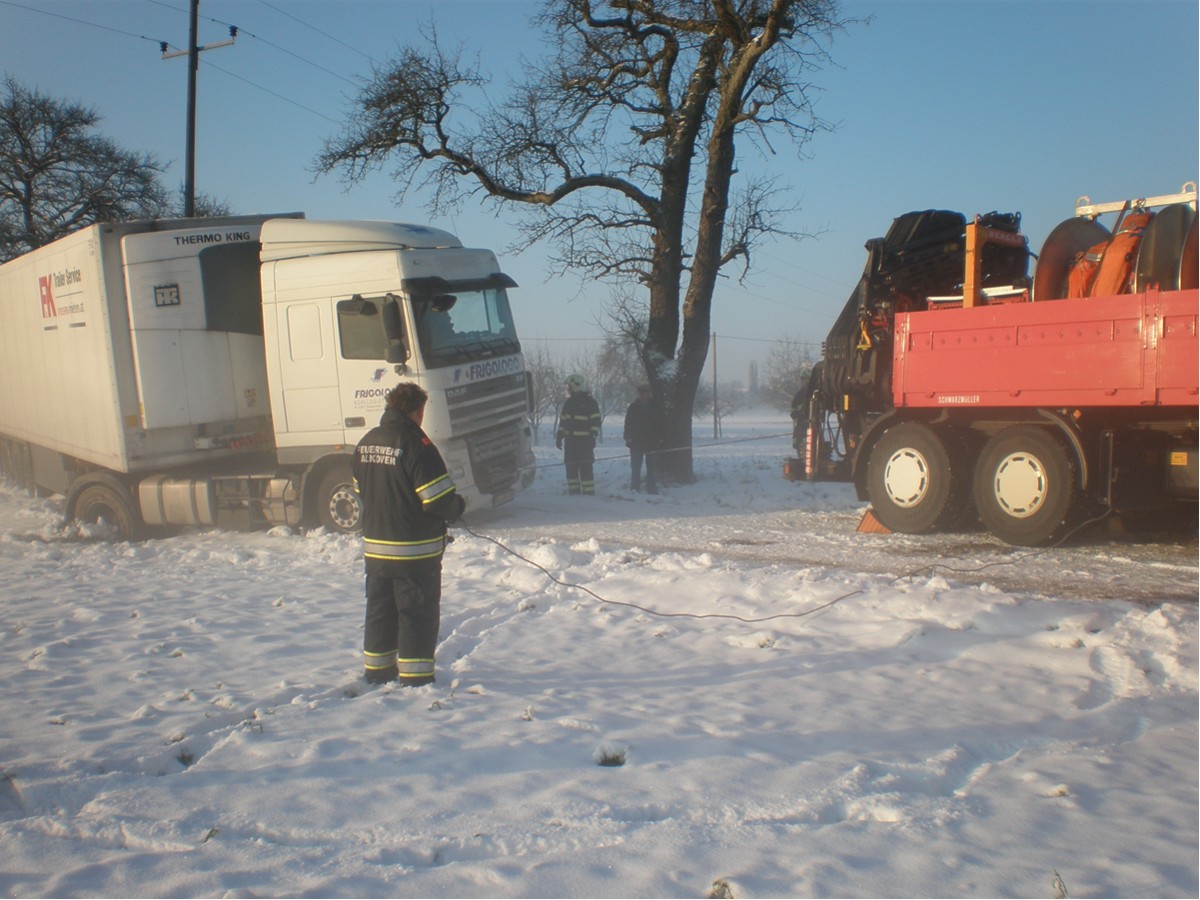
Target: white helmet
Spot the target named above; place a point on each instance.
(576, 382)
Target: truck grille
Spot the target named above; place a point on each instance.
(494, 459)
(486, 404)
(489, 415)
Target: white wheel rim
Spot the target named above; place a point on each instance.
(343, 508)
(906, 478)
(1020, 485)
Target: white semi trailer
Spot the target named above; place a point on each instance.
(220, 371)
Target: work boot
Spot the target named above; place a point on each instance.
(381, 676)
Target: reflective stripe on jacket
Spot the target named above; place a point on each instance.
(403, 550)
(406, 493)
(580, 417)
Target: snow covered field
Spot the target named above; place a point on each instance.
(807, 712)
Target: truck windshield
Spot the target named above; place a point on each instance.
(464, 325)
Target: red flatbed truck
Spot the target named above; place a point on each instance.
(954, 387)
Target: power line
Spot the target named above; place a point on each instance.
(242, 32)
(837, 282)
(325, 34)
(788, 341)
(46, 12)
(267, 90)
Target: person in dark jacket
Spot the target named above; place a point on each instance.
(578, 428)
(407, 498)
(643, 437)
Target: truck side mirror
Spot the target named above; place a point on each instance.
(393, 327)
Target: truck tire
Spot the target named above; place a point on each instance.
(105, 499)
(339, 508)
(916, 479)
(1027, 486)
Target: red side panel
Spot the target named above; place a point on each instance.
(1128, 350)
(1178, 349)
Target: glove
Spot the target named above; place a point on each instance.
(558, 442)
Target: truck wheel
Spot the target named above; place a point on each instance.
(338, 506)
(916, 479)
(105, 501)
(1026, 486)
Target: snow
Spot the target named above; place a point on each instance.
(687, 705)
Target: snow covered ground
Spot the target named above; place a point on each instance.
(800, 710)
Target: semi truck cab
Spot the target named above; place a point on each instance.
(351, 309)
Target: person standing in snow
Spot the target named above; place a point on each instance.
(578, 428)
(643, 429)
(407, 499)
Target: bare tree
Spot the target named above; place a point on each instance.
(57, 174)
(619, 373)
(731, 397)
(789, 363)
(548, 377)
(622, 149)
(203, 205)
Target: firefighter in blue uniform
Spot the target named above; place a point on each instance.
(407, 498)
(578, 428)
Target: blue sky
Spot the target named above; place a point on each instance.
(974, 105)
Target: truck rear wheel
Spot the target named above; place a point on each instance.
(916, 478)
(1026, 486)
(338, 505)
(105, 501)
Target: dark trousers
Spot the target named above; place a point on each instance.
(402, 622)
(635, 470)
(578, 458)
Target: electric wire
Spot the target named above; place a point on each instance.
(243, 32)
(46, 12)
(645, 609)
(319, 31)
(266, 90)
(665, 450)
(924, 570)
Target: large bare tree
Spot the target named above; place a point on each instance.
(57, 174)
(622, 147)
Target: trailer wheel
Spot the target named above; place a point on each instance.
(338, 505)
(916, 479)
(105, 501)
(1026, 486)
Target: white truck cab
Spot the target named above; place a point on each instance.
(351, 309)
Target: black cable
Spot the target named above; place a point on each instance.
(797, 615)
(47, 12)
(758, 437)
(647, 610)
(1012, 562)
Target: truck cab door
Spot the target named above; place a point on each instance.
(308, 369)
(373, 356)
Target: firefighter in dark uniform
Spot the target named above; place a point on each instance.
(578, 428)
(407, 498)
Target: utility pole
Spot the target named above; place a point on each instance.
(193, 55)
